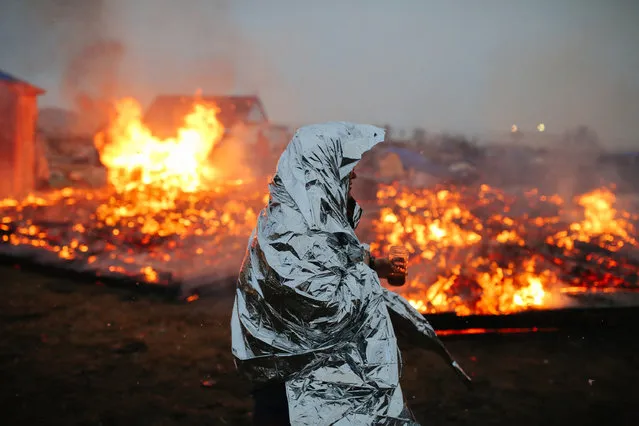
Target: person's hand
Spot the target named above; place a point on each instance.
(399, 266)
(382, 267)
(385, 267)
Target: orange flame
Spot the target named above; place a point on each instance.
(601, 222)
(167, 211)
(158, 170)
(472, 255)
(470, 251)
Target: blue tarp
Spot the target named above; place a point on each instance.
(414, 160)
(8, 77)
(620, 155)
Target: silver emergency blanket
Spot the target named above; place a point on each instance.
(308, 310)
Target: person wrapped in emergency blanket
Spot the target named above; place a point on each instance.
(311, 324)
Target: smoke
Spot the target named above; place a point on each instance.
(585, 76)
(40, 37)
(84, 52)
(91, 80)
(232, 159)
(180, 47)
(568, 85)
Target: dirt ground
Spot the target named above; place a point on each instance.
(81, 354)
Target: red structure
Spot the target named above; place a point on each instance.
(18, 115)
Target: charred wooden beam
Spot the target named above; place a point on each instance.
(563, 319)
(73, 271)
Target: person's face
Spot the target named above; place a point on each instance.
(351, 177)
(350, 201)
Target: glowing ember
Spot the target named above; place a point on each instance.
(473, 252)
(168, 215)
(601, 223)
(164, 209)
(151, 174)
(471, 331)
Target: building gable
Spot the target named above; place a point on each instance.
(255, 114)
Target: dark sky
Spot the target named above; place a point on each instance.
(464, 65)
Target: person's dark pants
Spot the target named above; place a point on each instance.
(270, 405)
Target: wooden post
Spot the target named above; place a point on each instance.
(18, 114)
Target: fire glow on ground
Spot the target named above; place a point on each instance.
(173, 211)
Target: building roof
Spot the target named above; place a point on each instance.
(8, 78)
(166, 113)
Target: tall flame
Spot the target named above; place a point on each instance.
(155, 171)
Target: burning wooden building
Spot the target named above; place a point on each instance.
(249, 139)
(166, 113)
(18, 154)
(167, 216)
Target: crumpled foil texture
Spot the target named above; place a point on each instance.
(308, 311)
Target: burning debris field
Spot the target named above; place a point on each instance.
(483, 251)
(195, 241)
(169, 216)
(176, 215)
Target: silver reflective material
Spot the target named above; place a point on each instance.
(308, 311)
